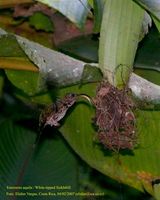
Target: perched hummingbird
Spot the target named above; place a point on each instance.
(53, 113)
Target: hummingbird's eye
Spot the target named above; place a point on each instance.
(72, 95)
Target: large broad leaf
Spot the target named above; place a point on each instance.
(28, 86)
(147, 62)
(75, 10)
(147, 56)
(137, 168)
(153, 6)
(49, 164)
(25, 77)
(68, 70)
(83, 48)
(8, 43)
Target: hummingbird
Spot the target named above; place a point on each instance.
(53, 113)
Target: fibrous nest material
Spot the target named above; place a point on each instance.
(114, 118)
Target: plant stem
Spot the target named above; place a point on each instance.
(120, 32)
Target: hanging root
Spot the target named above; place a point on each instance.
(114, 118)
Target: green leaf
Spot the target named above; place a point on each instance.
(83, 48)
(30, 82)
(147, 62)
(51, 163)
(28, 87)
(120, 32)
(24, 80)
(157, 23)
(11, 54)
(147, 56)
(136, 168)
(74, 10)
(91, 74)
(8, 43)
(153, 6)
(41, 22)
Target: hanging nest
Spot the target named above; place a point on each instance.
(114, 118)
